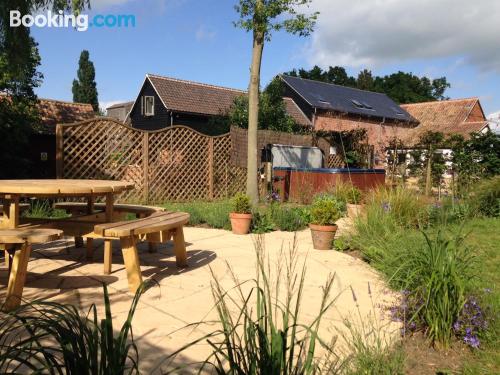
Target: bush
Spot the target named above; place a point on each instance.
(214, 214)
(449, 210)
(289, 219)
(241, 204)
(42, 209)
(346, 192)
(485, 199)
(326, 210)
(404, 207)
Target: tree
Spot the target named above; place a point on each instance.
(272, 111)
(262, 17)
(85, 87)
(19, 61)
(365, 80)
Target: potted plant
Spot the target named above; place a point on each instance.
(241, 214)
(325, 211)
(353, 201)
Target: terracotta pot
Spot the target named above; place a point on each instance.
(240, 223)
(322, 236)
(355, 210)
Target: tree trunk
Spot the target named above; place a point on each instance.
(428, 177)
(253, 116)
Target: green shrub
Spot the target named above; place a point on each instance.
(42, 209)
(346, 192)
(213, 214)
(405, 207)
(262, 222)
(289, 219)
(326, 210)
(485, 198)
(241, 204)
(53, 338)
(449, 211)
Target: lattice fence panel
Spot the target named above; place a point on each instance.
(335, 161)
(228, 178)
(175, 164)
(103, 149)
(178, 165)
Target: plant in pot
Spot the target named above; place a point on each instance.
(325, 212)
(241, 214)
(353, 201)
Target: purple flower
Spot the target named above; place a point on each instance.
(386, 206)
(472, 341)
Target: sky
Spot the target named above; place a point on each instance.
(196, 40)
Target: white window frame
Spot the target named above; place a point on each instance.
(145, 107)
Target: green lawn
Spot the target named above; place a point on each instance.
(484, 238)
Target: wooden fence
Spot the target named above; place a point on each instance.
(172, 164)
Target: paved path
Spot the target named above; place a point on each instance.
(60, 272)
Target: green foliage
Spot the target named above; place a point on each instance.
(401, 87)
(399, 206)
(213, 214)
(49, 337)
(266, 335)
(326, 210)
(241, 204)
(272, 110)
(264, 17)
(42, 209)
(485, 198)
(450, 211)
(351, 143)
(346, 192)
(289, 219)
(474, 158)
(342, 244)
(85, 88)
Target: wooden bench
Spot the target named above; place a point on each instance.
(157, 228)
(120, 210)
(18, 249)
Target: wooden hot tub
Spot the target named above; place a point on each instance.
(299, 184)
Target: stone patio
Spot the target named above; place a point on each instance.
(59, 272)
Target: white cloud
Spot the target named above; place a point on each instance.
(495, 124)
(204, 34)
(367, 33)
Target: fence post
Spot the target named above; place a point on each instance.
(59, 151)
(210, 168)
(145, 165)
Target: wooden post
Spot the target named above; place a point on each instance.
(145, 165)
(17, 277)
(210, 168)
(180, 248)
(11, 211)
(90, 248)
(59, 151)
(108, 256)
(131, 260)
(110, 200)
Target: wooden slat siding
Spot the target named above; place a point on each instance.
(172, 165)
(160, 221)
(161, 117)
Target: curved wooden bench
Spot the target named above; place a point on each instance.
(159, 227)
(18, 243)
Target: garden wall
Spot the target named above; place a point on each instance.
(172, 164)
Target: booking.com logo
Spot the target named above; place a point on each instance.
(79, 22)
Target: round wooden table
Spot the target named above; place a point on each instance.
(12, 190)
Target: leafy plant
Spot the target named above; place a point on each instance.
(241, 204)
(485, 199)
(289, 219)
(42, 209)
(346, 192)
(326, 210)
(214, 214)
(54, 338)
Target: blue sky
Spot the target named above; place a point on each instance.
(195, 40)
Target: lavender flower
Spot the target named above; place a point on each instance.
(386, 206)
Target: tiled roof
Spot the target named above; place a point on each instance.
(296, 113)
(446, 116)
(192, 97)
(53, 112)
(126, 105)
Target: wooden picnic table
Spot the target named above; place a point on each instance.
(13, 190)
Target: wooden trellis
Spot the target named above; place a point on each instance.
(173, 164)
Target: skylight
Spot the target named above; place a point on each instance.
(356, 103)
